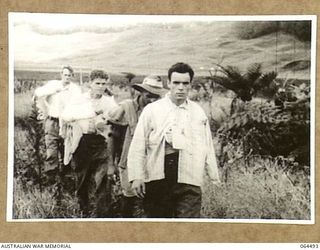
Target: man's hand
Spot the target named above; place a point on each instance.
(100, 126)
(112, 173)
(111, 170)
(139, 188)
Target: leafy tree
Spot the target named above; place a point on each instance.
(246, 85)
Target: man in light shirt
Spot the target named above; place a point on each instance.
(170, 151)
(89, 146)
(53, 96)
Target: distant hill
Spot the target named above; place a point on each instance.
(151, 49)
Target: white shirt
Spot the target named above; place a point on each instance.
(175, 131)
(147, 150)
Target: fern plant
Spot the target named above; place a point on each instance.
(266, 129)
(245, 85)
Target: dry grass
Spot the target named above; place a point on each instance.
(258, 189)
(30, 203)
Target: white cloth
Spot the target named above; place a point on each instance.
(73, 134)
(53, 96)
(87, 111)
(85, 115)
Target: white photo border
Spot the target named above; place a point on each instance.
(312, 18)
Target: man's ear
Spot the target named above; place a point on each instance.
(168, 83)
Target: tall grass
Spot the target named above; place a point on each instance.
(257, 189)
(23, 104)
(31, 203)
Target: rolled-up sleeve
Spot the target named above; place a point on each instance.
(138, 148)
(211, 161)
(49, 88)
(116, 116)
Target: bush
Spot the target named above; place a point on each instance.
(266, 129)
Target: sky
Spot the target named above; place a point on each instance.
(41, 37)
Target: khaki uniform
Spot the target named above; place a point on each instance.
(127, 114)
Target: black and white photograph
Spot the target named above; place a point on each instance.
(191, 118)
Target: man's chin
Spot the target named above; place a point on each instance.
(180, 97)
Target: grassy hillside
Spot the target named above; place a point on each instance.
(151, 49)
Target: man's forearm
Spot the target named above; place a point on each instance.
(46, 90)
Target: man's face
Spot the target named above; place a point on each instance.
(179, 85)
(147, 97)
(66, 76)
(98, 86)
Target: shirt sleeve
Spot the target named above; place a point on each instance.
(138, 148)
(116, 116)
(211, 161)
(113, 103)
(49, 88)
(109, 106)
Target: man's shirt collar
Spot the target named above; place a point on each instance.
(171, 103)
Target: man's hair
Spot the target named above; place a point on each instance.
(181, 67)
(68, 68)
(98, 74)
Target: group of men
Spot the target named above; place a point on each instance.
(166, 151)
